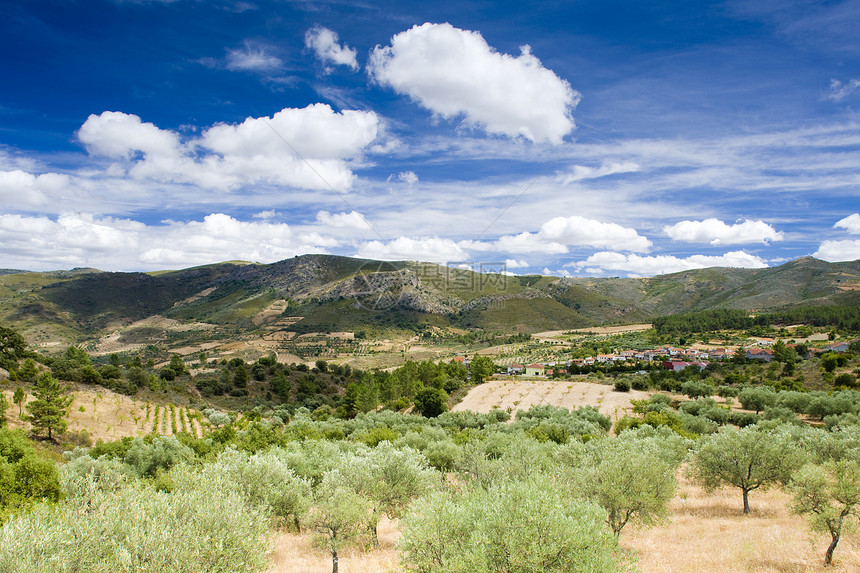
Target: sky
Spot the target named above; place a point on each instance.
(568, 138)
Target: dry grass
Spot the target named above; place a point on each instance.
(303, 553)
(708, 533)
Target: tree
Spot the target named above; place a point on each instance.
(748, 459)
(18, 398)
(829, 496)
(430, 402)
(339, 513)
(527, 526)
(28, 371)
(628, 478)
(481, 368)
(48, 411)
(757, 398)
(389, 478)
(12, 348)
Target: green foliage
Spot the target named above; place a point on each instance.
(202, 526)
(528, 527)
(747, 459)
(13, 347)
(481, 368)
(161, 454)
(388, 477)
(266, 480)
(48, 411)
(757, 398)
(829, 495)
(25, 476)
(628, 477)
(339, 512)
(430, 402)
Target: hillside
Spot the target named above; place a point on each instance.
(323, 293)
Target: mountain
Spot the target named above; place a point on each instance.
(318, 293)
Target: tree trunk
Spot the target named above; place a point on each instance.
(374, 536)
(333, 552)
(297, 523)
(746, 501)
(828, 556)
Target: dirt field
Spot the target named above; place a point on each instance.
(520, 394)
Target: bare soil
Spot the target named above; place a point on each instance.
(521, 394)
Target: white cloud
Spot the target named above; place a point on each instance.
(851, 223)
(663, 264)
(559, 233)
(324, 44)
(351, 220)
(407, 177)
(579, 231)
(430, 249)
(581, 172)
(516, 264)
(76, 239)
(252, 59)
(118, 135)
(454, 72)
(716, 232)
(24, 189)
(839, 91)
(835, 251)
(227, 157)
(526, 242)
(268, 214)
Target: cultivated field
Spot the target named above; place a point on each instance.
(521, 394)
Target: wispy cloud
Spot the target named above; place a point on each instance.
(839, 91)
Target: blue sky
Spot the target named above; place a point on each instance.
(616, 138)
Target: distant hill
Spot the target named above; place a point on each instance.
(333, 293)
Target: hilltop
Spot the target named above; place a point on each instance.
(331, 294)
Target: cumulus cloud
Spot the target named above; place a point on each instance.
(516, 264)
(324, 43)
(430, 249)
(835, 251)
(559, 233)
(228, 156)
(716, 232)
(851, 223)
(454, 72)
(662, 264)
(839, 90)
(351, 220)
(24, 189)
(77, 239)
(251, 59)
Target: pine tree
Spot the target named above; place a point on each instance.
(49, 410)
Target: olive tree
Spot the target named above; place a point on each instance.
(629, 478)
(528, 526)
(747, 459)
(829, 496)
(389, 478)
(339, 513)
